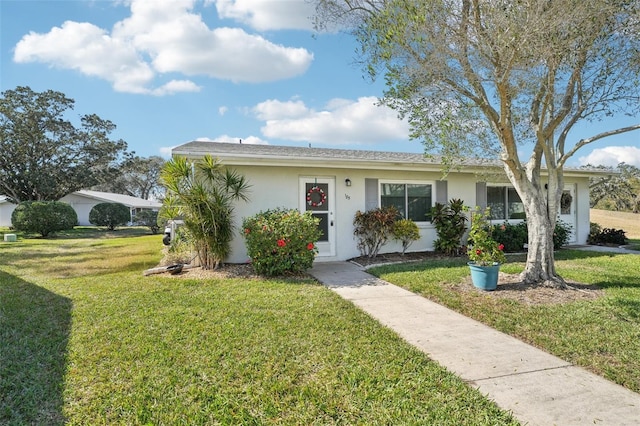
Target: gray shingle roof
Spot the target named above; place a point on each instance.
(223, 149)
(120, 198)
(255, 153)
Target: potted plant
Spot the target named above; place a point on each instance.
(485, 254)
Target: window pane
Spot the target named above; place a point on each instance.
(392, 194)
(393, 190)
(516, 208)
(317, 196)
(419, 202)
(496, 202)
(323, 225)
(565, 202)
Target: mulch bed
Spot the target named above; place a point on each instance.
(509, 286)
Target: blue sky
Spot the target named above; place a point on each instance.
(172, 71)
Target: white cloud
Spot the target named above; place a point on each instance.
(90, 50)
(160, 38)
(223, 110)
(341, 122)
(274, 109)
(268, 14)
(250, 140)
(165, 151)
(612, 156)
(176, 86)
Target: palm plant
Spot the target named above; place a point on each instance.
(202, 193)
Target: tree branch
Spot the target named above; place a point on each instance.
(599, 136)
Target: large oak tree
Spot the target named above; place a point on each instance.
(515, 74)
(43, 156)
(138, 177)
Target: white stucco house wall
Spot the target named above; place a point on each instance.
(6, 209)
(83, 201)
(336, 183)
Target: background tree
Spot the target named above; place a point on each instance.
(513, 75)
(137, 177)
(148, 218)
(44, 156)
(617, 192)
(202, 194)
(110, 215)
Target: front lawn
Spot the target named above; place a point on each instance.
(602, 335)
(86, 339)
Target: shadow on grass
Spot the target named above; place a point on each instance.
(34, 332)
(84, 232)
(617, 269)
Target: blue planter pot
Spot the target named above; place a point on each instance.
(484, 277)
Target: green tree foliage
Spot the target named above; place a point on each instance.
(44, 156)
(137, 177)
(450, 221)
(43, 217)
(507, 80)
(148, 218)
(202, 193)
(110, 215)
(281, 241)
(618, 191)
(373, 228)
(406, 231)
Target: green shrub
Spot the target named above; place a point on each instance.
(109, 215)
(180, 249)
(203, 194)
(373, 228)
(281, 241)
(561, 234)
(43, 217)
(148, 218)
(405, 231)
(515, 236)
(594, 231)
(512, 236)
(483, 248)
(450, 222)
(607, 236)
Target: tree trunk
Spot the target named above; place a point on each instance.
(540, 265)
(541, 208)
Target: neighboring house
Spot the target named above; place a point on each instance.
(83, 201)
(336, 183)
(6, 209)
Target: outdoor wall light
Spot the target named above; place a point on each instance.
(347, 182)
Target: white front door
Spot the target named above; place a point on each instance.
(318, 196)
(568, 210)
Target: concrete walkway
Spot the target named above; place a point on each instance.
(538, 388)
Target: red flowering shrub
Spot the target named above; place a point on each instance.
(281, 241)
(483, 249)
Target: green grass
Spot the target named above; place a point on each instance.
(86, 339)
(602, 335)
(634, 244)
